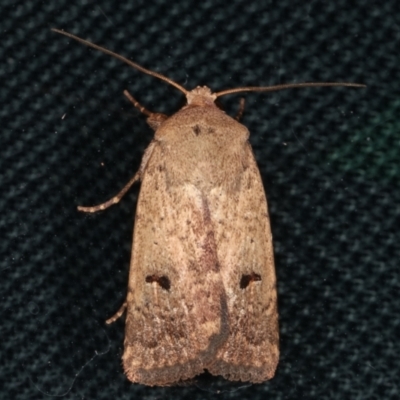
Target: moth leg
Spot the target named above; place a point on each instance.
(241, 110)
(114, 200)
(153, 119)
(117, 314)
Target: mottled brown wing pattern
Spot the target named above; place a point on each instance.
(244, 243)
(176, 303)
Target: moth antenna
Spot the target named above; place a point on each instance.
(286, 86)
(125, 60)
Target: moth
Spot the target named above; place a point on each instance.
(202, 286)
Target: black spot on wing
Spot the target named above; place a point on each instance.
(163, 281)
(247, 279)
(196, 130)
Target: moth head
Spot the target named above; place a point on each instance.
(201, 96)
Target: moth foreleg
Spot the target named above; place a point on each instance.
(112, 201)
(241, 110)
(153, 119)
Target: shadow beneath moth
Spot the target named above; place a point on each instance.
(202, 287)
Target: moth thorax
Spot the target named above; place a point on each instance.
(201, 96)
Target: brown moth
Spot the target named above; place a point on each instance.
(202, 287)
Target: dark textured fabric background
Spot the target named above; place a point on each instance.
(329, 159)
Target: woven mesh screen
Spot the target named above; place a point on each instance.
(329, 159)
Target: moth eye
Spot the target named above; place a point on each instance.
(196, 130)
(163, 281)
(247, 279)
